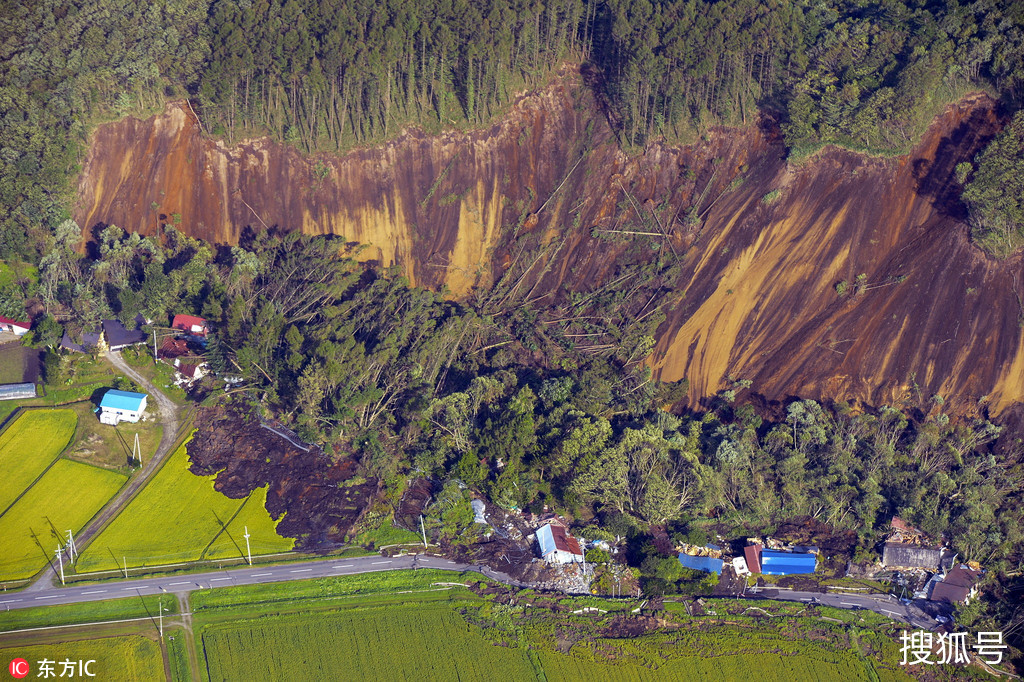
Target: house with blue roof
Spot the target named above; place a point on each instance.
(787, 563)
(118, 406)
(701, 563)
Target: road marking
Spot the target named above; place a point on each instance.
(215, 579)
(125, 589)
(343, 566)
(10, 601)
(184, 582)
(95, 592)
(451, 562)
(804, 599)
(301, 570)
(259, 575)
(891, 613)
(379, 562)
(49, 596)
(846, 603)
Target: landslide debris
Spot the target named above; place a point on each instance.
(321, 501)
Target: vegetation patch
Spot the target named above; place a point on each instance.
(86, 612)
(66, 497)
(179, 517)
(30, 445)
(125, 658)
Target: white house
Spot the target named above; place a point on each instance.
(121, 406)
(13, 326)
(557, 546)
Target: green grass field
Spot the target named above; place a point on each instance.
(29, 446)
(179, 517)
(86, 612)
(423, 642)
(66, 497)
(130, 658)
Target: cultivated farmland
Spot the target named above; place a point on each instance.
(421, 642)
(66, 497)
(128, 658)
(179, 517)
(29, 446)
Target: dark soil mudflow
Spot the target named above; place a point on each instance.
(923, 311)
(320, 500)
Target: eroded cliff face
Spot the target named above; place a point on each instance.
(924, 312)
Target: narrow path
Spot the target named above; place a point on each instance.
(169, 415)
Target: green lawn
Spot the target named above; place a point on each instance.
(29, 446)
(130, 658)
(66, 497)
(179, 517)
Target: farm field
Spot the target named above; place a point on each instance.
(422, 642)
(66, 496)
(179, 517)
(430, 640)
(28, 446)
(127, 658)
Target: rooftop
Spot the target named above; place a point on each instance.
(122, 400)
(552, 537)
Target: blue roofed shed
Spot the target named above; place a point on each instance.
(701, 563)
(117, 406)
(786, 563)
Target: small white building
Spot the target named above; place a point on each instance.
(121, 406)
(557, 546)
(14, 326)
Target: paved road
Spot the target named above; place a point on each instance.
(248, 575)
(169, 418)
(46, 593)
(886, 606)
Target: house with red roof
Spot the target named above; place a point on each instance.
(14, 327)
(557, 546)
(190, 324)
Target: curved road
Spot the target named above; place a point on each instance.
(169, 418)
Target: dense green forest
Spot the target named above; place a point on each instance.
(326, 75)
(403, 381)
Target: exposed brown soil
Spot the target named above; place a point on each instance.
(758, 299)
(319, 507)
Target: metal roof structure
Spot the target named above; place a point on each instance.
(122, 400)
(902, 555)
(701, 563)
(552, 537)
(118, 335)
(752, 554)
(16, 391)
(190, 324)
(786, 563)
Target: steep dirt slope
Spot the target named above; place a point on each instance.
(754, 294)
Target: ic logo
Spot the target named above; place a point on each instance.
(19, 668)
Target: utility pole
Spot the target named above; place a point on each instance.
(154, 344)
(72, 550)
(423, 531)
(60, 559)
(124, 560)
(137, 451)
(247, 549)
(161, 607)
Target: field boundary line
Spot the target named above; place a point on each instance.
(81, 625)
(20, 412)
